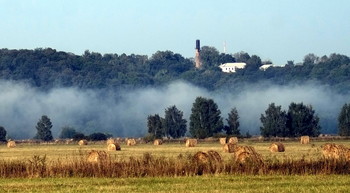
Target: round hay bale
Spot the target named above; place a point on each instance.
(113, 147)
(304, 139)
(277, 147)
(229, 148)
(131, 142)
(97, 156)
(191, 142)
(233, 140)
(83, 142)
(214, 156)
(242, 154)
(158, 142)
(222, 140)
(201, 157)
(11, 144)
(334, 151)
(111, 141)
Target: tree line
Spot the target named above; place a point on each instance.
(48, 68)
(206, 121)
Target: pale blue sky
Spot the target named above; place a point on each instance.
(278, 30)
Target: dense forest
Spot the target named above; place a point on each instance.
(48, 68)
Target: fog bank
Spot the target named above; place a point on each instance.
(124, 113)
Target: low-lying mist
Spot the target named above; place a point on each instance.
(124, 113)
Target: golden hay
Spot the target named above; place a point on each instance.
(229, 148)
(11, 144)
(191, 142)
(83, 142)
(113, 147)
(111, 141)
(131, 142)
(214, 156)
(242, 154)
(334, 151)
(233, 140)
(277, 147)
(201, 157)
(222, 140)
(97, 156)
(158, 142)
(304, 139)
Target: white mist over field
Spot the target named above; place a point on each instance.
(124, 113)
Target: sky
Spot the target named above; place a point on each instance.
(276, 30)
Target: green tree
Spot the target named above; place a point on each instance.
(344, 120)
(67, 132)
(233, 123)
(301, 120)
(2, 133)
(174, 124)
(210, 57)
(205, 120)
(274, 122)
(43, 127)
(97, 136)
(155, 126)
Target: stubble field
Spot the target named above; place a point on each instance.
(49, 158)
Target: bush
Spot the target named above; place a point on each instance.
(67, 133)
(79, 136)
(97, 136)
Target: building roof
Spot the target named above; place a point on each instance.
(233, 65)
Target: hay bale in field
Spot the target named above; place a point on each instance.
(233, 140)
(131, 142)
(191, 142)
(111, 141)
(201, 157)
(334, 151)
(277, 147)
(214, 156)
(158, 142)
(304, 139)
(242, 154)
(222, 140)
(229, 148)
(83, 142)
(113, 147)
(11, 144)
(97, 156)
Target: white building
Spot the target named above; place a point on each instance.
(265, 66)
(231, 67)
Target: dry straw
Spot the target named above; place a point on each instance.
(229, 148)
(83, 142)
(304, 139)
(334, 151)
(97, 156)
(242, 154)
(11, 144)
(222, 140)
(277, 147)
(158, 142)
(233, 140)
(205, 157)
(191, 142)
(113, 147)
(130, 142)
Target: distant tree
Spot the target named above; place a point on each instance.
(97, 136)
(155, 127)
(241, 56)
(310, 59)
(67, 132)
(174, 124)
(210, 57)
(233, 123)
(43, 127)
(274, 122)
(301, 120)
(79, 136)
(344, 120)
(253, 63)
(2, 134)
(205, 120)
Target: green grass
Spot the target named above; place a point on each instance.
(220, 183)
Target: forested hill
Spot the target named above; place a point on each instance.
(48, 68)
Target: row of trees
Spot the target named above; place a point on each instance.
(48, 68)
(206, 121)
